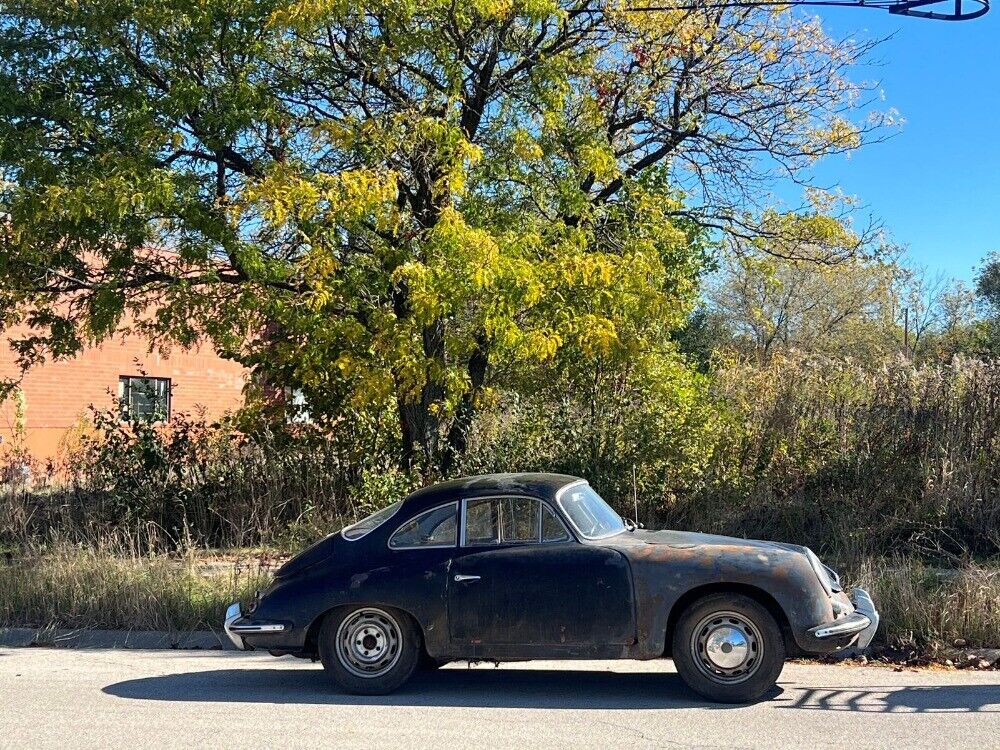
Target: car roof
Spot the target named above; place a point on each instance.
(541, 485)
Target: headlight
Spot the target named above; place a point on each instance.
(820, 571)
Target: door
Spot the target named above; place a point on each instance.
(519, 578)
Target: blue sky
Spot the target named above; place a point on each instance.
(936, 184)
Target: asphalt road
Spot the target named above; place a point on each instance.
(158, 699)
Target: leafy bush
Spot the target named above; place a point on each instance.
(639, 429)
(195, 483)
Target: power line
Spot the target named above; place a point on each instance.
(958, 10)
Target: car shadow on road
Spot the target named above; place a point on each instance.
(467, 688)
(897, 699)
(541, 688)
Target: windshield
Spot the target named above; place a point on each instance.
(591, 516)
(371, 523)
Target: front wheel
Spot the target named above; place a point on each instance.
(728, 648)
(369, 650)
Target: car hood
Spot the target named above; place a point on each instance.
(688, 539)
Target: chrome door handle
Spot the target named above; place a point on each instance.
(461, 579)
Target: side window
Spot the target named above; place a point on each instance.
(511, 520)
(520, 519)
(482, 522)
(433, 528)
(553, 529)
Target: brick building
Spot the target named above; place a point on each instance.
(57, 394)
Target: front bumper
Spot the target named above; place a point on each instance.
(236, 626)
(862, 623)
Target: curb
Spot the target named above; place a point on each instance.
(134, 639)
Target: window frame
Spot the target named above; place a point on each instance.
(124, 400)
(453, 545)
(464, 544)
(555, 515)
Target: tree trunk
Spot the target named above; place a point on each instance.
(458, 435)
(419, 421)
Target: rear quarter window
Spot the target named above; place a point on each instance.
(372, 522)
(437, 527)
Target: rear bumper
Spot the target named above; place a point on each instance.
(237, 626)
(862, 623)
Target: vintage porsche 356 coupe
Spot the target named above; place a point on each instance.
(538, 566)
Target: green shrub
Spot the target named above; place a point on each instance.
(196, 483)
(643, 429)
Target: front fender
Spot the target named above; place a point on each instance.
(670, 575)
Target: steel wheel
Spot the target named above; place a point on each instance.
(369, 642)
(727, 647)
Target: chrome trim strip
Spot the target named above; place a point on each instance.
(235, 629)
(271, 627)
(571, 485)
(864, 603)
(848, 626)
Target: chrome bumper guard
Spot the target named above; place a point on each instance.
(236, 626)
(863, 621)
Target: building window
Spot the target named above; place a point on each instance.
(144, 399)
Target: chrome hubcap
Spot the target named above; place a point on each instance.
(368, 642)
(727, 647)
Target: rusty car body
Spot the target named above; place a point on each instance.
(537, 566)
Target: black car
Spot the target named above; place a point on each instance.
(538, 566)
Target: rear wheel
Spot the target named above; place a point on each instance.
(369, 650)
(728, 648)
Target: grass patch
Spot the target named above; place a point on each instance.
(72, 587)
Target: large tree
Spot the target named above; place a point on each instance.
(395, 200)
(769, 303)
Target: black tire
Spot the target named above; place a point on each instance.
(394, 649)
(710, 626)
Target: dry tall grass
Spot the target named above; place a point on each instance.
(200, 484)
(928, 608)
(68, 586)
(855, 461)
